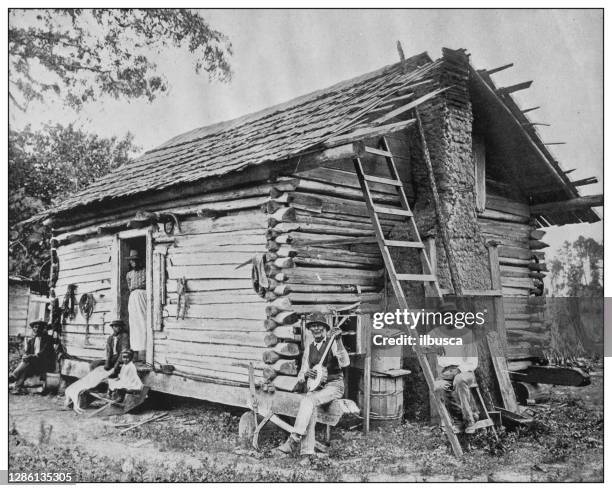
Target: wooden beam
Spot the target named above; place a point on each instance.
(367, 372)
(501, 371)
(499, 68)
(369, 132)
(586, 181)
(409, 106)
(575, 204)
(515, 88)
(529, 109)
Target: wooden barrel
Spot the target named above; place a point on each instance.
(386, 398)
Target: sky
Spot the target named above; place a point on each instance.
(281, 54)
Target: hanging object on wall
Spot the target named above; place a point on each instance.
(86, 306)
(171, 225)
(181, 290)
(69, 304)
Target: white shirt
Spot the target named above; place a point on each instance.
(37, 345)
(465, 356)
(128, 378)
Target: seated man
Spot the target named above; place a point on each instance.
(456, 366)
(331, 389)
(118, 341)
(39, 357)
(124, 377)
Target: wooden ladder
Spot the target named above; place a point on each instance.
(396, 279)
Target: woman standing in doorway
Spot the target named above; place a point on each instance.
(137, 305)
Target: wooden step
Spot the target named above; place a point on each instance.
(404, 243)
(378, 151)
(392, 211)
(416, 277)
(383, 180)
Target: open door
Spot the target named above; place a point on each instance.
(133, 288)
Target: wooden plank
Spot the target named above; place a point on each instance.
(502, 204)
(217, 297)
(368, 132)
(209, 258)
(498, 301)
(501, 371)
(86, 260)
(213, 324)
(222, 271)
(283, 403)
(219, 337)
(330, 276)
(212, 285)
(501, 216)
(366, 325)
(478, 153)
(251, 311)
(575, 204)
(84, 270)
(241, 221)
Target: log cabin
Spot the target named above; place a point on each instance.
(280, 185)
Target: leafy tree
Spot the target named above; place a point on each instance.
(568, 273)
(45, 166)
(82, 54)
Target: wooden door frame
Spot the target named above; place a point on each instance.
(147, 233)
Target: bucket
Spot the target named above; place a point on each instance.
(385, 357)
(52, 382)
(386, 398)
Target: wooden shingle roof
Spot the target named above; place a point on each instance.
(273, 134)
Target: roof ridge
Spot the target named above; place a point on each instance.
(249, 118)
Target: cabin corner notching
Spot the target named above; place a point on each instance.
(276, 191)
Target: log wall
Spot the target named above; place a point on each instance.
(86, 264)
(522, 267)
(19, 295)
(221, 331)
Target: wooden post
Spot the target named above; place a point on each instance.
(498, 301)
(367, 373)
(150, 293)
(498, 358)
(116, 278)
(430, 250)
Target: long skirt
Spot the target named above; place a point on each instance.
(137, 310)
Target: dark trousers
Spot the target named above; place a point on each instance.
(27, 368)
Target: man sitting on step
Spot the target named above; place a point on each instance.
(39, 357)
(456, 366)
(332, 386)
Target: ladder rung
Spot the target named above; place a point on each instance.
(416, 277)
(378, 151)
(404, 243)
(392, 211)
(382, 180)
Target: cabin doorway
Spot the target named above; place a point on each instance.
(133, 292)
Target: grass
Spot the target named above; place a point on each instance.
(566, 443)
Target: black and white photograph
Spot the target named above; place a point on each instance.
(323, 245)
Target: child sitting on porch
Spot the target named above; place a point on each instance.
(124, 378)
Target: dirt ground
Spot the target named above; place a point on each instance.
(199, 442)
